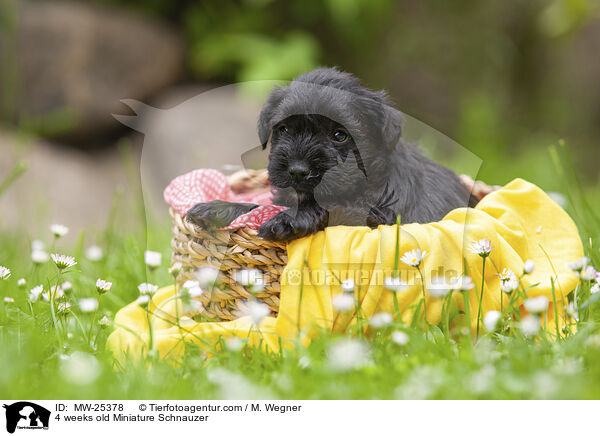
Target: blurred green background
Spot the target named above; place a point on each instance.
(504, 79)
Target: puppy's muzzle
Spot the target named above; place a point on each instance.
(299, 171)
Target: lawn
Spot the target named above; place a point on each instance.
(40, 362)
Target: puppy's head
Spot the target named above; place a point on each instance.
(319, 120)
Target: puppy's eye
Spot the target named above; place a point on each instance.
(282, 130)
(339, 136)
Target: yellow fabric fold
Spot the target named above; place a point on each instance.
(521, 221)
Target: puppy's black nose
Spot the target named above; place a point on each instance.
(298, 171)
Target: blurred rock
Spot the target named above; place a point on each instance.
(81, 59)
(61, 185)
(196, 127)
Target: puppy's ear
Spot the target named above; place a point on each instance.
(391, 129)
(392, 126)
(266, 115)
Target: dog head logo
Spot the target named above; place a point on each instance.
(26, 415)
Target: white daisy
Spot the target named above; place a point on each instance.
(37, 245)
(380, 320)
(21, 283)
(34, 293)
(39, 256)
(400, 338)
(9, 300)
(578, 265)
(143, 300)
(413, 257)
(94, 253)
(347, 355)
(58, 293)
(147, 289)
(256, 311)
(207, 276)
(509, 286)
(192, 287)
(490, 320)
(88, 305)
(343, 302)
(588, 273)
(348, 285)
(64, 307)
(462, 283)
(234, 343)
(63, 261)
(530, 325)
(483, 247)
(104, 322)
(80, 368)
(395, 284)
(58, 230)
(439, 287)
(153, 259)
(528, 267)
(4, 273)
(595, 288)
(66, 286)
(536, 304)
(175, 269)
(102, 286)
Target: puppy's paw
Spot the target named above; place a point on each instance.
(284, 227)
(217, 214)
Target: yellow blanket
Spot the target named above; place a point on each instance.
(521, 221)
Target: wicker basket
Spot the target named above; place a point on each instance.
(234, 250)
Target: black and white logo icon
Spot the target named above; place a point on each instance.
(26, 415)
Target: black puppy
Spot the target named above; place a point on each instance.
(337, 158)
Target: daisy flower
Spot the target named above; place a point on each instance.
(439, 287)
(104, 322)
(483, 247)
(578, 265)
(39, 256)
(58, 230)
(175, 269)
(348, 354)
(9, 300)
(94, 253)
(4, 273)
(153, 259)
(348, 285)
(63, 261)
(207, 276)
(147, 289)
(34, 293)
(342, 302)
(256, 311)
(395, 284)
(413, 257)
(88, 305)
(490, 320)
(64, 307)
(380, 320)
(143, 300)
(400, 338)
(21, 283)
(528, 267)
(192, 287)
(588, 273)
(530, 325)
(462, 283)
(536, 304)
(102, 286)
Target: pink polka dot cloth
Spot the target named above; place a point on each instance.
(200, 186)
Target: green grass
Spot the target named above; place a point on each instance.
(435, 366)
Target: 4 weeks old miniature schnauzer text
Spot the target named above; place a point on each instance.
(337, 158)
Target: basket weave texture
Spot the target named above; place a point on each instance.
(229, 251)
(233, 250)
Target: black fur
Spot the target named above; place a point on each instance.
(369, 178)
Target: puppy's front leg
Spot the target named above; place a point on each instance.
(286, 227)
(217, 213)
